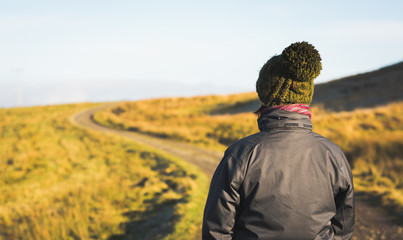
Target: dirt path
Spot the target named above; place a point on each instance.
(207, 160)
(371, 223)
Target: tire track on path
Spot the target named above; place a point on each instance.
(371, 222)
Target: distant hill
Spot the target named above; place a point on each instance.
(364, 90)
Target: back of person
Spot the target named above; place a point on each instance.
(285, 182)
(291, 181)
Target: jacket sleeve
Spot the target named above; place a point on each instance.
(223, 199)
(343, 221)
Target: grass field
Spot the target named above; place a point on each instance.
(195, 120)
(370, 138)
(58, 181)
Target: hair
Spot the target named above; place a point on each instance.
(262, 109)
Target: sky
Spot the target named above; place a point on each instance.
(54, 52)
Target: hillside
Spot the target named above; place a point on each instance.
(370, 138)
(58, 181)
(363, 90)
(57, 184)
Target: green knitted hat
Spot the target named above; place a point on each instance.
(288, 78)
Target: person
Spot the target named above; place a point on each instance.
(284, 182)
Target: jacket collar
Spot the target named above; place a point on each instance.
(277, 118)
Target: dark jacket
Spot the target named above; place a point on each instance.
(285, 182)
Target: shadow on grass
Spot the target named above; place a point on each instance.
(160, 217)
(238, 107)
(391, 209)
(152, 224)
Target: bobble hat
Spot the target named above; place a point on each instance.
(288, 78)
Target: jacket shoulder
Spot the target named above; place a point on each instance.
(331, 146)
(333, 149)
(245, 146)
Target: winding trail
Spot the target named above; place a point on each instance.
(371, 222)
(206, 160)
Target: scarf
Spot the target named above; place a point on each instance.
(299, 108)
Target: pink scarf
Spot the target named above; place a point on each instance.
(299, 108)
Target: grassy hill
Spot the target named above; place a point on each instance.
(364, 90)
(58, 181)
(371, 138)
(193, 120)
(370, 133)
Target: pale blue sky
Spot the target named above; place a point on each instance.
(73, 51)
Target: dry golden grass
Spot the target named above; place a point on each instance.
(370, 138)
(194, 120)
(58, 181)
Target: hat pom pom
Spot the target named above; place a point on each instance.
(301, 62)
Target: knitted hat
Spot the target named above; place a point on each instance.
(288, 78)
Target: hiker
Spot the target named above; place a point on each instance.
(284, 182)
